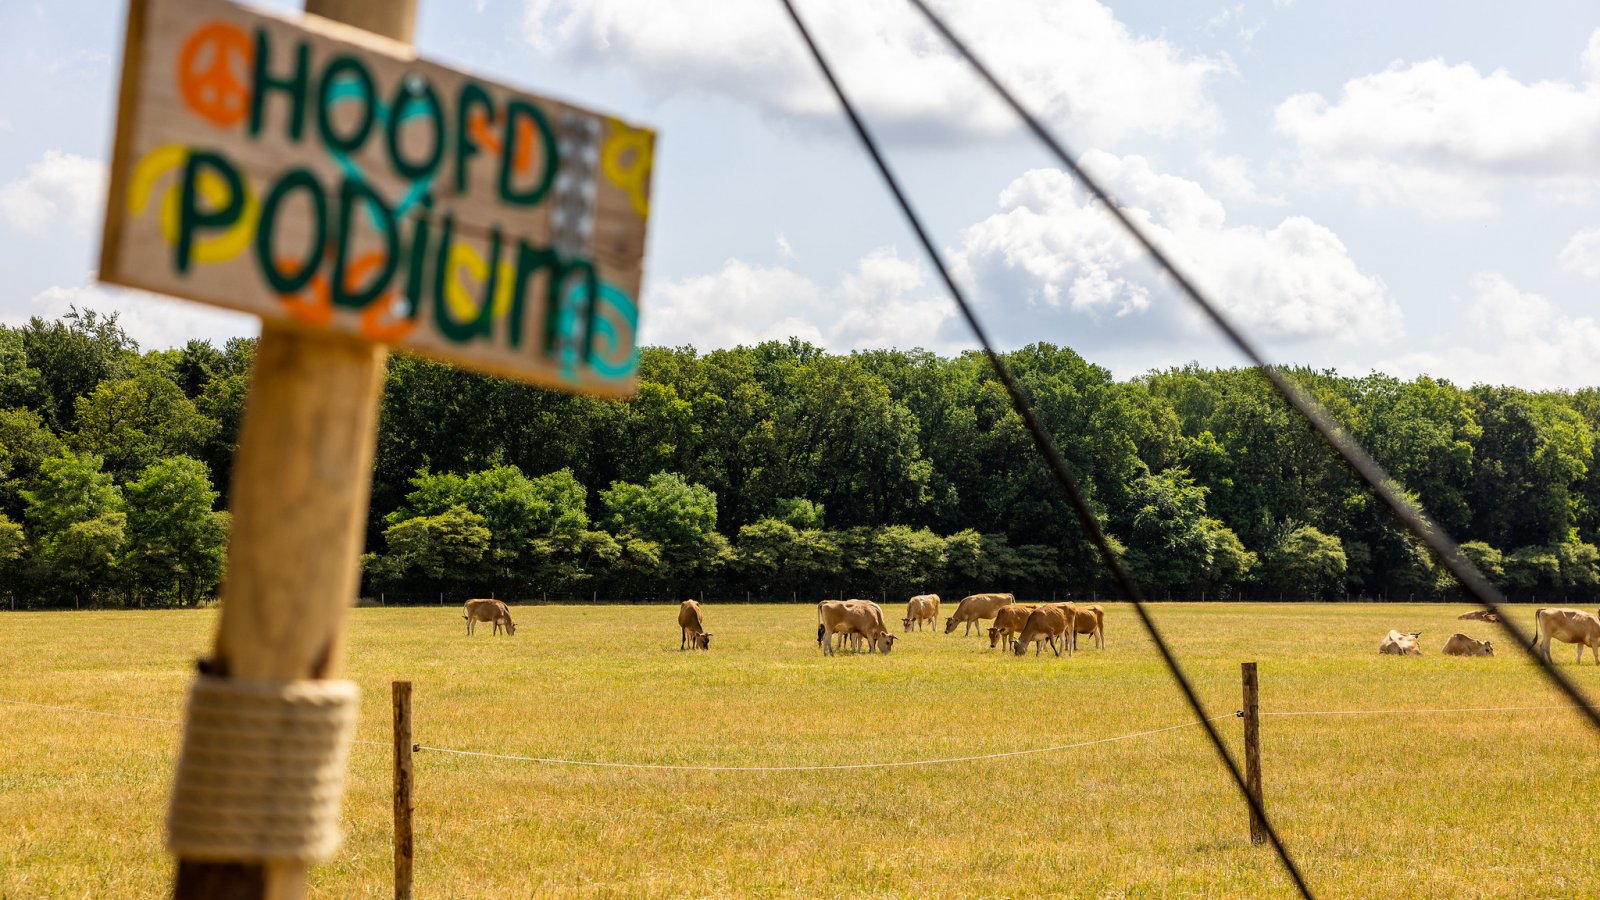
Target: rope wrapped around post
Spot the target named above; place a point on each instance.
(261, 775)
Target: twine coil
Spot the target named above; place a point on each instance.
(261, 775)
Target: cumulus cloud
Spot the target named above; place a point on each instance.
(61, 188)
(1231, 178)
(1522, 339)
(1053, 248)
(156, 322)
(1070, 59)
(1582, 253)
(1446, 139)
(885, 301)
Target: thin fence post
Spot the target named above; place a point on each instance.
(402, 790)
(1252, 749)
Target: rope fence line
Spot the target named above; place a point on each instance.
(602, 764)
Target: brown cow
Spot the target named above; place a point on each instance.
(1088, 619)
(1399, 643)
(1008, 621)
(1044, 624)
(475, 611)
(1480, 615)
(1569, 626)
(1461, 645)
(691, 627)
(852, 617)
(922, 608)
(975, 608)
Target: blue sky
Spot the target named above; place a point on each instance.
(1404, 187)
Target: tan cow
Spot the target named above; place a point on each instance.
(1008, 622)
(475, 611)
(976, 608)
(1044, 625)
(692, 627)
(1569, 626)
(1089, 619)
(922, 608)
(1480, 615)
(859, 618)
(1461, 645)
(1400, 643)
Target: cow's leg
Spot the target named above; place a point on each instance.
(827, 641)
(1054, 647)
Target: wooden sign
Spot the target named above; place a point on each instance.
(322, 177)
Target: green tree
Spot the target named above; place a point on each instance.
(176, 541)
(904, 560)
(132, 422)
(1305, 562)
(800, 513)
(75, 515)
(438, 552)
(73, 355)
(679, 517)
(1170, 539)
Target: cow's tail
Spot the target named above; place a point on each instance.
(820, 632)
(1535, 641)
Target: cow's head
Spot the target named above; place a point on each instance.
(994, 638)
(1488, 648)
(1017, 647)
(906, 622)
(884, 641)
(511, 627)
(950, 624)
(703, 640)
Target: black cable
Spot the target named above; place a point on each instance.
(1412, 517)
(1057, 465)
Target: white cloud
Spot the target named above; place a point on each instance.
(884, 302)
(59, 188)
(785, 250)
(1231, 178)
(154, 321)
(1582, 253)
(1052, 247)
(1071, 60)
(1447, 139)
(1522, 340)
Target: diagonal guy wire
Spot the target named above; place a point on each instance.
(1052, 457)
(1412, 517)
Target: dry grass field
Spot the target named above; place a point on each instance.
(1422, 804)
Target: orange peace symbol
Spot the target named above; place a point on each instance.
(211, 85)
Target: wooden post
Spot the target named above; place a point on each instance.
(301, 479)
(402, 790)
(1252, 749)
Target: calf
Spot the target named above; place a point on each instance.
(1461, 645)
(691, 627)
(1569, 626)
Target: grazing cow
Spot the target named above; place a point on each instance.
(1008, 622)
(1044, 624)
(1399, 643)
(1569, 626)
(692, 627)
(861, 618)
(495, 611)
(975, 608)
(1461, 645)
(922, 608)
(1088, 619)
(1480, 615)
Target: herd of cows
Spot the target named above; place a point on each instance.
(1017, 625)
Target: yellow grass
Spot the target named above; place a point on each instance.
(1460, 804)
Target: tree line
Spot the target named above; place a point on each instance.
(783, 471)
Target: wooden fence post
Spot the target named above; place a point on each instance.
(402, 790)
(1252, 749)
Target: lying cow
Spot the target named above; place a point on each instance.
(1569, 626)
(975, 608)
(852, 617)
(1461, 645)
(692, 627)
(922, 608)
(1400, 643)
(1480, 615)
(1044, 625)
(495, 611)
(1008, 622)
